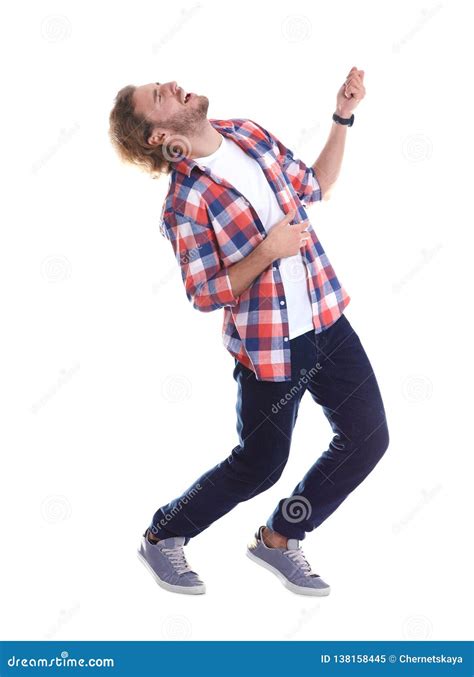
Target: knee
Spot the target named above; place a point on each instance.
(378, 440)
(254, 477)
(265, 477)
(261, 478)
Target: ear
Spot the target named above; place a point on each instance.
(157, 137)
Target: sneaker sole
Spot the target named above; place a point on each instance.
(182, 589)
(297, 589)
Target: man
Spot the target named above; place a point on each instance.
(235, 216)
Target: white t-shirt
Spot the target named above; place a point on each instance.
(243, 172)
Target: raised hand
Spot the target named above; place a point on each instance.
(351, 93)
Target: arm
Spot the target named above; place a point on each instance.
(206, 280)
(328, 164)
(313, 183)
(244, 272)
(208, 284)
(283, 240)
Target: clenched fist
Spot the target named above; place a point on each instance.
(350, 93)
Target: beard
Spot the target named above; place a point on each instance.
(189, 121)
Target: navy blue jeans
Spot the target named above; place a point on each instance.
(335, 369)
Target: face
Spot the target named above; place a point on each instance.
(171, 109)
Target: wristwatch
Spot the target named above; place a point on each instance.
(343, 121)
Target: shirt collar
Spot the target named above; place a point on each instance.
(186, 165)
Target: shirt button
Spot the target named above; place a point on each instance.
(274, 267)
(285, 338)
(282, 303)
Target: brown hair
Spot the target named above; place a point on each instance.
(129, 133)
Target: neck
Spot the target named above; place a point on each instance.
(206, 141)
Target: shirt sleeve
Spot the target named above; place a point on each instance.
(302, 177)
(206, 280)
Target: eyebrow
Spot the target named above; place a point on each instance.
(155, 93)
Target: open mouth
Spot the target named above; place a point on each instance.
(183, 96)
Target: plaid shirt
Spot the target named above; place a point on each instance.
(211, 226)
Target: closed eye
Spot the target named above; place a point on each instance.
(156, 94)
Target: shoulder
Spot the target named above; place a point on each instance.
(243, 126)
(183, 202)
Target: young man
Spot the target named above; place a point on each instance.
(235, 216)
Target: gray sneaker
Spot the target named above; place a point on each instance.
(289, 564)
(167, 563)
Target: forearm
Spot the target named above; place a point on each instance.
(328, 164)
(244, 272)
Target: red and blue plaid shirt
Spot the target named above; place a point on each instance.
(211, 226)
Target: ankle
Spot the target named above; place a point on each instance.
(273, 539)
(151, 537)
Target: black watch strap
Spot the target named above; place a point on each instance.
(343, 121)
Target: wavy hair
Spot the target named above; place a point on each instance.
(129, 133)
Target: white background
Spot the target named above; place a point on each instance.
(117, 394)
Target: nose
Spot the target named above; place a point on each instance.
(172, 86)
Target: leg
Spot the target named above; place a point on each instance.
(347, 389)
(264, 428)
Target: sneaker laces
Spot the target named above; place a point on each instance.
(298, 558)
(178, 559)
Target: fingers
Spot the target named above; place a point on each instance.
(304, 235)
(354, 77)
(354, 85)
(288, 218)
(355, 92)
(355, 71)
(354, 81)
(303, 225)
